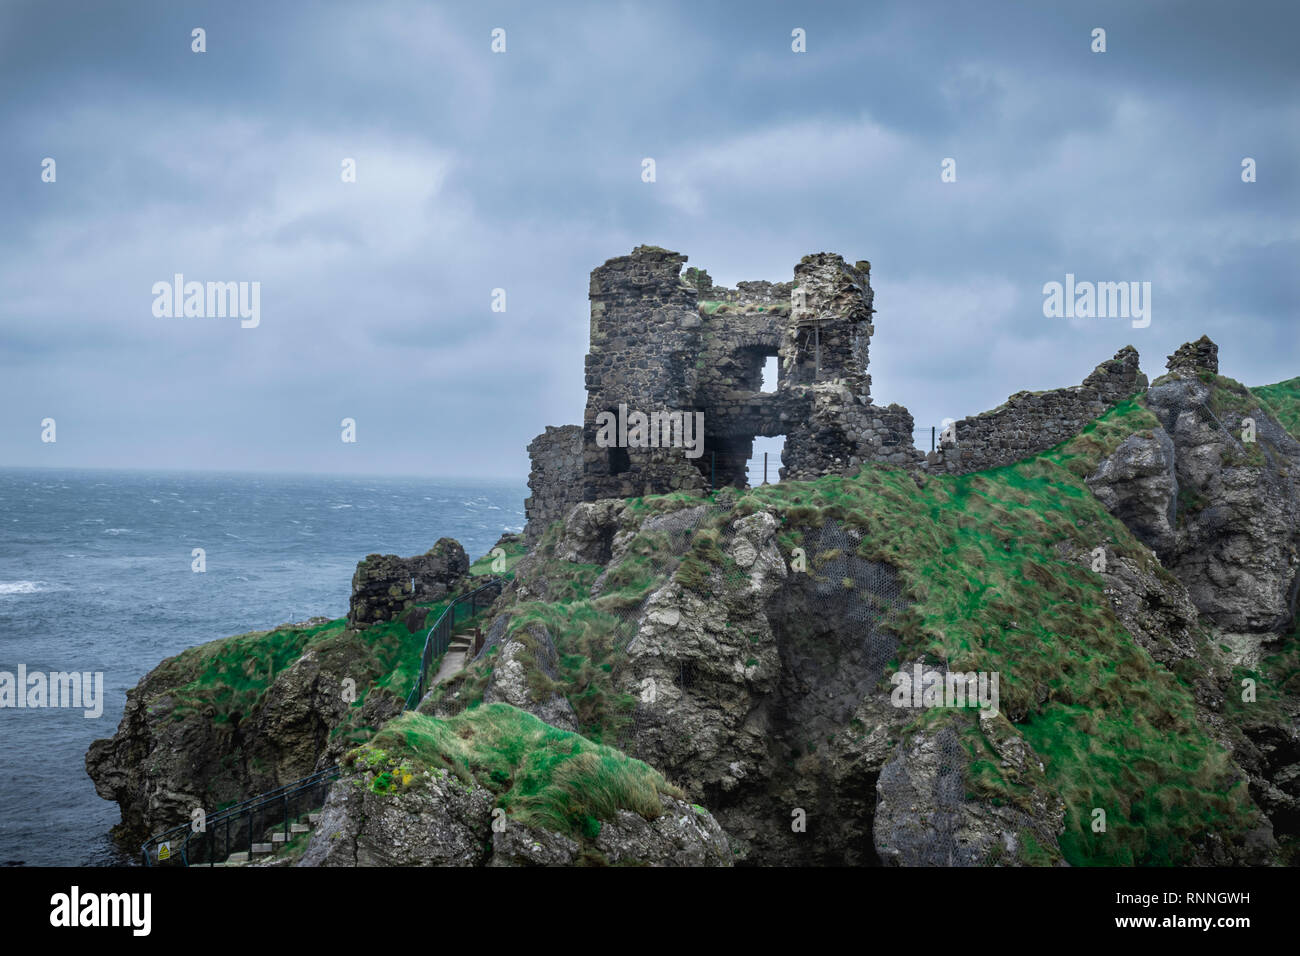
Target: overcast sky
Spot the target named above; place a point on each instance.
(522, 171)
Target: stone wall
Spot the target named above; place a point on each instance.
(555, 479)
(384, 584)
(1032, 422)
(645, 337)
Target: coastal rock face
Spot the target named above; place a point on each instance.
(1221, 510)
(589, 530)
(1151, 603)
(766, 697)
(1139, 485)
(510, 682)
(441, 821)
(385, 584)
(684, 835)
(925, 818)
(1222, 513)
(162, 762)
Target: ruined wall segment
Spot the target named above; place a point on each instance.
(824, 361)
(645, 343)
(555, 478)
(738, 338)
(1032, 422)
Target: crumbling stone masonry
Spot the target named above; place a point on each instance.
(668, 343)
(1032, 422)
(384, 584)
(672, 342)
(555, 479)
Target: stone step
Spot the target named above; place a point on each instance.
(279, 837)
(313, 818)
(262, 849)
(299, 828)
(240, 857)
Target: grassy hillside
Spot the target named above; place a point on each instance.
(232, 675)
(1283, 400)
(541, 776)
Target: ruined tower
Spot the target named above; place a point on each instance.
(672, 345)
(662, 345)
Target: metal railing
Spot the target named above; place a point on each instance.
(240, 826)
(439, 637)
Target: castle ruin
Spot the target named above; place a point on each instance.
(667, 342)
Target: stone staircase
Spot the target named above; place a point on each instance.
(265, 853)
(457, 656)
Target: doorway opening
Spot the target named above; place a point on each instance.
(756, 472)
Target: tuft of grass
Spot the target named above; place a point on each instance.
(541, 776)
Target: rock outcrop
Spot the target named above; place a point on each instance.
(384, 585)
(178, 749)
(768, 700)
(526, 659)
(1215, 492)
(440, 821)
(924, 816)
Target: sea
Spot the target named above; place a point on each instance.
(97, 575)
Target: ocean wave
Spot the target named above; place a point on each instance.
(337, 507)
(118, 531)
(21, 587)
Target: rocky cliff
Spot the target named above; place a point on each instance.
(1121, 584)
(1085, 656)
(233, 717)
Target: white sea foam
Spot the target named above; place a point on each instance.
(21, 587)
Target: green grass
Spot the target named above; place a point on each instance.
(228, 679)
(1283, 400)
(541, 776)
(513, 549)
